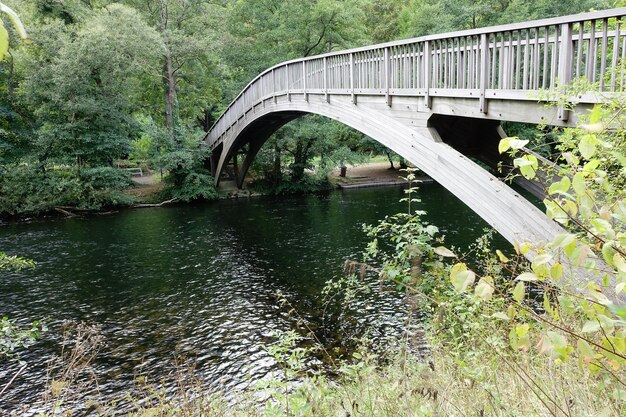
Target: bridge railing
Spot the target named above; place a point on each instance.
(506, 62)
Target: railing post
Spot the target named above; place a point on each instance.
(274, 86)
(427, 74)
(243, 100)
(287, 82)
(352, 96)
(484, 71)
(326, 79)
(387, 77)
(566, 56)
(306, 96)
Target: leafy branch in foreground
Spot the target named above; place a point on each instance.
(568, 302)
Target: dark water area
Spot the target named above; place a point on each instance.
(200, 282)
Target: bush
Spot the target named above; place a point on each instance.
(26, 189)
(194, 186)
(306, 185)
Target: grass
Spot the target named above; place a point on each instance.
(472, 383)
(406, 387)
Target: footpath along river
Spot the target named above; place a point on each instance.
(199, 282)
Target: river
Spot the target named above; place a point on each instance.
(194, 286)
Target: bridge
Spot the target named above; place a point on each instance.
(436, 100)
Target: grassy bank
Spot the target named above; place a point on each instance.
(477, 382)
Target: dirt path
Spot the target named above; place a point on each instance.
(370, 174)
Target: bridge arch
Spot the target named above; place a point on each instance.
(505, 210)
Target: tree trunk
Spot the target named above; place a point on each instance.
(168, 77)
(277, 172)
(170, 94)
(390, 160)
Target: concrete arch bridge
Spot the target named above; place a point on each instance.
(436, 99)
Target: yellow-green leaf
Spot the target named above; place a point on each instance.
(501, 256)
(519, 292)
(527, 165)
(608, 252)
(4, 41)
(587, 146)
(484, 289)
(619, 262)
(578, 184)
(527, 277)
(563, 239)
(461, 277)
(511, 143)
(591, 326)
(596, 114)
(556, 271)
(445, 252)
(542, 259)
(504, 145)
(561, 187)
(17, 23)
(500, 315)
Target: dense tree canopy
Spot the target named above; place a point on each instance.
(100, 81)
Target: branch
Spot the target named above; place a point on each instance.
(161, 204)
(308, 51)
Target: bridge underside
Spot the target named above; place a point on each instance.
(434, 141)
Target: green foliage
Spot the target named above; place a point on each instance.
(424, 17)
(307, 184)
(188, 179)
(14, 263)
(195, 186)
(28, 189)
(567, 303)
(13, 336)
(79, 90)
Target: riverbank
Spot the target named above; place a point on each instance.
(370, 174)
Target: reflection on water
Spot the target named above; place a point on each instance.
(200, 281)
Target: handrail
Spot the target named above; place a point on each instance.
(505, 60)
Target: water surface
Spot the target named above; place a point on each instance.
(200, 282)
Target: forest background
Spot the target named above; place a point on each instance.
(100, 85)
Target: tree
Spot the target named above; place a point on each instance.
(382, 18)
(190, 34)
(81, 85)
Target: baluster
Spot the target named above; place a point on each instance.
(439, 78)
(352, 96)
(306, 96)
(526, 58)
(579, 49)
(484, 68)
(546, 47)
(446, 65)
(623, 66)
(470, 63)
(554, 63)
(605, 25)
(274, 85)
(463, 62)
(325, 79)
(615, 55)
(589, 71)
(426, 72)
(566, 59)
(536, 66)
(518, 57)
(501, 62)
(494, 61)
(287, 82)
